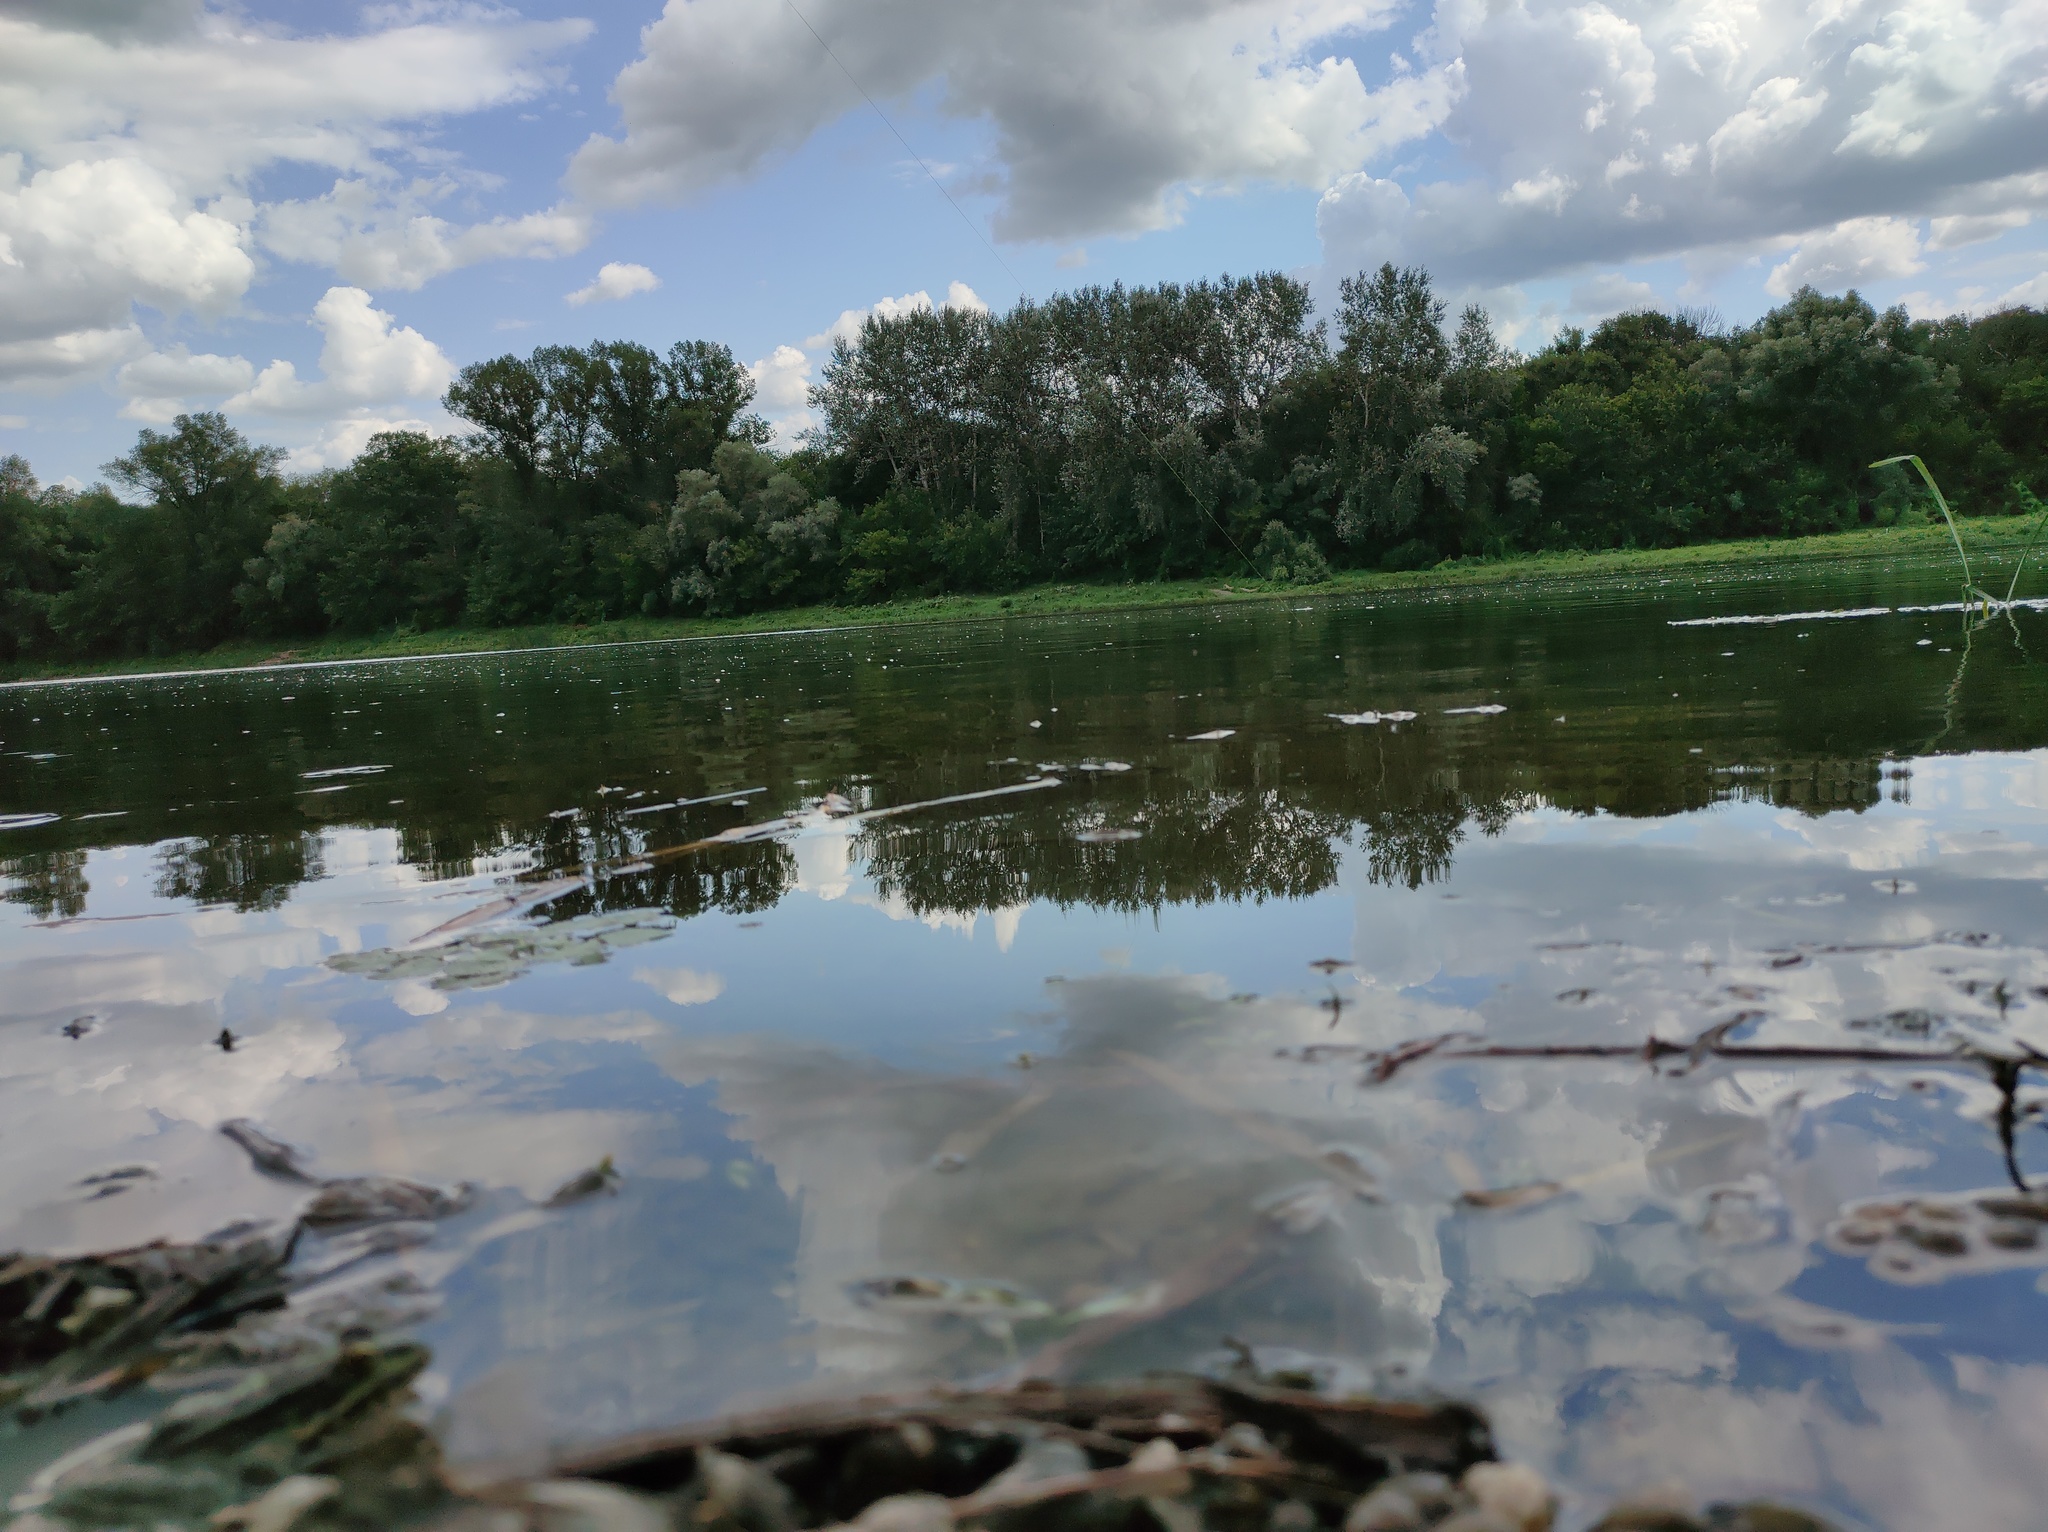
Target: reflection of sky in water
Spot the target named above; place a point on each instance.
(781, 1086)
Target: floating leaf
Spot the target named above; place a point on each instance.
(485, 956)
(1508, 1198)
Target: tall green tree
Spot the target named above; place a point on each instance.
(161, 575)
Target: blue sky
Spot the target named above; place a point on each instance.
(309, 215)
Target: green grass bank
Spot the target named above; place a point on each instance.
(1995, 541)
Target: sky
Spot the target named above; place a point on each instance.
(310, 215)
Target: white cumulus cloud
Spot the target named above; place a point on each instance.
(847, 326)
(1105, 114)
(615, 279)
(375, 237)
(1590, 135)
(134, 135)
(163, 383)
(782, 380)
(367, 360)
(1854, 253)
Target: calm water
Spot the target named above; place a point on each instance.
(1065, 1049)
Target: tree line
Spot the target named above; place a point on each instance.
(1108, 434)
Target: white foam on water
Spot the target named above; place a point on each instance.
(1762, 619)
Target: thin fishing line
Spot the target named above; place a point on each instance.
(921, 165)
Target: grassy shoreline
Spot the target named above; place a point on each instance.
(2004, 536)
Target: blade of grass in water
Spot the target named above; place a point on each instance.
(2040, 521)
(1941, 500)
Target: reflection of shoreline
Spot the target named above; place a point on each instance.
(1197, 847)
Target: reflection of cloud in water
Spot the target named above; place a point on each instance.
(1611, 1330)
(681, 986)
(1101, 1181)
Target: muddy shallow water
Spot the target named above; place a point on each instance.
(1113, 1066)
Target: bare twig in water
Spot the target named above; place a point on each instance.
(2004, 1069)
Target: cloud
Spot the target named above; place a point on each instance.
(336, 444)
(366, 361)
(133, 135)
(1608, 294)
(1853, 253)
(81, 244)
(1970, 229)
(615, 279)
(782, 380)
(379, 239)
(1593, 136)
(158, 385)
(2031, 294)
(1105, 116)
(56, 362)
(848, 325)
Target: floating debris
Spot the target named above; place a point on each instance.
(1105, 835)
(602, 1179)
(111, 1183)
(1398, 715)
(1213, 734)
(1508, 1198)
(1484, 707)
(737, 797)
(488, 956)
(1108, 767)
(269, 1155)
(946, 1297)
(27, 821)
(1920, 1240)
(1814, 1328)
(350, 1200)
(344, 1201)
(342, 771)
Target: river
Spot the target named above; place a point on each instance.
(1106, 1066)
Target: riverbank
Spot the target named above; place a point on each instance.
(1995, 540)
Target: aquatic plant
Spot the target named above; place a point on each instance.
(2026, 498)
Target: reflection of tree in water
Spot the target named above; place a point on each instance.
(1197, 848)
(739, 880)
(48, 882)
(250, 872)
(1413, 844)
(1814, 787)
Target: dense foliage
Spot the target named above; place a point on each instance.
(1105, 434)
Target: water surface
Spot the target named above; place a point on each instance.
(1063, 1053)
